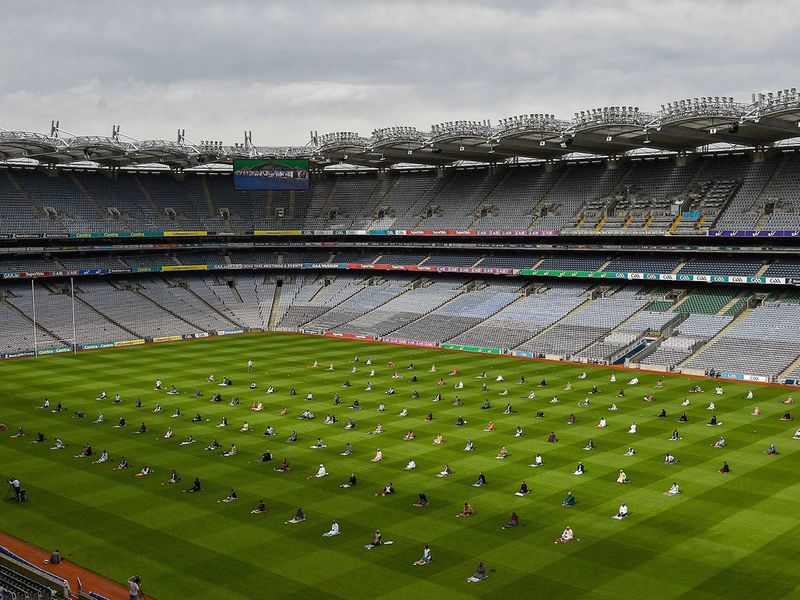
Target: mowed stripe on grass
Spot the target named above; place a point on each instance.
(726, 535)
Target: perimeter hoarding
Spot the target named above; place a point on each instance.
(271, 174)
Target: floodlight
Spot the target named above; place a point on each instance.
(608, 138)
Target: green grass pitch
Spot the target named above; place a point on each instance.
(726, 536)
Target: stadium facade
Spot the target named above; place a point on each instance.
(664, 240)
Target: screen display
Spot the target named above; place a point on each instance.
(271, 174)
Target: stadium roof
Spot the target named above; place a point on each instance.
(679, 126)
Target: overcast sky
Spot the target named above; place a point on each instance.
(281, 69)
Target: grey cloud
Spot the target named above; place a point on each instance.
(283, 68)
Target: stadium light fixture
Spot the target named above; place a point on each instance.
(543, 143)
(608, 138)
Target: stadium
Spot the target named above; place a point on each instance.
(406, 362)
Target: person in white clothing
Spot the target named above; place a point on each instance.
(411, 464)
(633, 428)
(673, 490)
(321, 472)
(633, 381)
(537, 462)
(566, 536)
(622, 512)
(334, 530)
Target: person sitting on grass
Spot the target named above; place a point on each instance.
(675, 436)
(539, 414)
(479, 575)
(622, 477)
(377, 431)
(306, 414)
(589, 444)
(425, 558)
(772, 450)
(572, 419)
(214, 445)
(58, 445)
(409, 435)
(173, 478)
(523, 490)
(490, 426)
(350, 423)
(481, 481)
(422, 502)
(720, 443)
(579, 470)
(437, 441)
(669, 459)
(446, 472)
(260, 508)
(231, 497)
(725, 468)
(513, 521)
(284, 466)
(673, 490)
(378, 455)
(622, 512)
(387, 490)
(173, 391)
(299, 517)
(123, 464)
(145, 471)
(461, 421)
(168, 434)
(403, 412)
(537, 461)
(429, 417)
(602, 424)
(100, 419)
(631, 451)
(789, 400)
(554, 400)
(266, 457)
(283, 412)
(633, 428)
(377, 540)
(120, 423)
(257, 407)
(796, 435)
(318, 444)
(292, 437)
(713, 422)
(786, 417)
(334, 530)
(552, 439)
(176, 413)
(486, 405)
(321, 472)
(270, 430)
(38, 439)
(102, 458)
(411, 464)
(503, 454)
(351, 482)
(566, 536)
(662, 414)
(467, 511)
(86, 452)
(231, 452)
(348, 450)
(142, 429)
